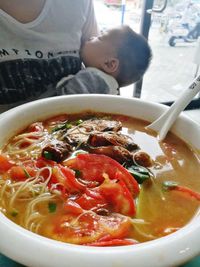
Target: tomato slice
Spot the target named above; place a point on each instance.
(72, 229)
(187, 191)
(94, 168)
(115, 226)
(92, 200)
(42, 162)
(88, 228)
(36, 127)
(113, 242)
(5, 163)
(118, 195)
(19, 173)
(108, 197)
(71, 206)
(70, 178)
(65, 180)
(62, 176)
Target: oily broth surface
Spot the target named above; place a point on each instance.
(165, 212)
(162, 212)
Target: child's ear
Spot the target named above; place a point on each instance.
(111, 65)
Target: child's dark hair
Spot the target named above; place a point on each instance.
(134, 56)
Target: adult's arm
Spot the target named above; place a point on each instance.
(90, 27)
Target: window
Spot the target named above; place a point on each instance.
(176, 53)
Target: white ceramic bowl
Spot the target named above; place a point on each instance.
(34, 250)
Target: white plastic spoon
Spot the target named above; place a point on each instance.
(165, 121)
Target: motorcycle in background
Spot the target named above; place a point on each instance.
(180, 32)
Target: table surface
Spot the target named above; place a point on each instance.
(6, 262)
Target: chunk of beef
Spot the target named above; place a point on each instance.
(102, 125)
(143, 159)
(118, 153)
(112, 138)
(79, 134)
(56, 151)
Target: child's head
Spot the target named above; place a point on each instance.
(120, 52)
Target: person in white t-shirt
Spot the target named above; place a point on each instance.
(114, 59)
(39, 45)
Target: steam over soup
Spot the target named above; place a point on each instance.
(98, 179)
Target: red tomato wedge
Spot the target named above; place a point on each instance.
(41, 162)
(89, 228)
(92, 200)
(109, 196)
(72, 207)
(187, 191)
(66, 178)
(36, 127)
(112, 243)
(94, 168)
(5, 163)
(63, 176)
(19, 173)
(76, 230)
(118, 195)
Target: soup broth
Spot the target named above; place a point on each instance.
(98, 179)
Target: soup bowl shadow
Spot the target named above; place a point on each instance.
(31, 249)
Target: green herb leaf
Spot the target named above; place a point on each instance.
(79, 122)
(140, 173)
(52, 207)
(59, 127)
(26, 173)
(68, 125)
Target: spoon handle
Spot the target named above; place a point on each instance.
(165, 121)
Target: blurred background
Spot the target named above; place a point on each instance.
(172, 28)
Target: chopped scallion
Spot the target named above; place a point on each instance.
(169, 185)
(52, 207)
(58, 128)
(79, 122)
(14, 213)
(26, 173)
(68, 125)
